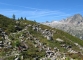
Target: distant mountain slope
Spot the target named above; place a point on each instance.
(72, 25)
(39, 42)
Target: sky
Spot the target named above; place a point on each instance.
(41, 10)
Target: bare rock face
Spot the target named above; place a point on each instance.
(72, 25)
(76, 19)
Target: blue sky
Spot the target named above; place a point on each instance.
(41, 10)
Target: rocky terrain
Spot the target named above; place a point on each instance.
(29, 40)
(72, 25)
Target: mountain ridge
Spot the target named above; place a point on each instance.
(72, 25)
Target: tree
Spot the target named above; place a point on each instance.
(21, 18)
(25, 18)
(13, 17)
(34, 20)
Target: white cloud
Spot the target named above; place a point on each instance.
(31, 12)
(18, 6)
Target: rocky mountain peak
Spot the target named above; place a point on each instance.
(77, 15)
(72, 25)
(76, 19)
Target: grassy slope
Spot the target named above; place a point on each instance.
(59, 34)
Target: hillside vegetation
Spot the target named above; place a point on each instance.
(29, 40)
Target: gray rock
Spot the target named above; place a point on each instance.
(72, 25)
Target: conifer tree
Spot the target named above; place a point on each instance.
(21, 18)
(13, 17)
(25, 18)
